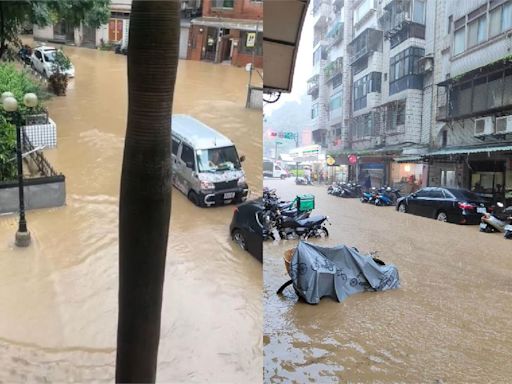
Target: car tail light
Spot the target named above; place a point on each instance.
(490, 209)
(466, 206)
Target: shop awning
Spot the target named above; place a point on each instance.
(470, 149)
(408, 159)
(219, 22)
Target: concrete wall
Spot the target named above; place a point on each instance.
(44, 192)
(43, 33)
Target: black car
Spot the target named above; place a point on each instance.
(246, 228)
(454, 205)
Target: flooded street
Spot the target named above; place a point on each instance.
(58, 298)
(450, 322)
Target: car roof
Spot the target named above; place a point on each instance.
(197, 134)
(46, 48)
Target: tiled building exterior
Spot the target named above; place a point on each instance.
(406, 111)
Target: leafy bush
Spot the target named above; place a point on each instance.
(19, 83)
(8, 170)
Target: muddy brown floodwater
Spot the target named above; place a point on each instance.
(450, 322)
(58, 298)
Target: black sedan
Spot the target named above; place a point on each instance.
(454, 205)
(246, 228)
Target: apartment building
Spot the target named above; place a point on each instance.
(472, 134)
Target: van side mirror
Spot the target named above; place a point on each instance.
(242, 158)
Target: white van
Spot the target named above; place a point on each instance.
(271, 169)
(206, 166)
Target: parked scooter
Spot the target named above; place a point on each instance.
(351, 190)
(311, 227)
(370, 196)
(335, 189)
(498, 220)
(387, 197)
(301, 181)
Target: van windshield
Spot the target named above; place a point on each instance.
(217, 159)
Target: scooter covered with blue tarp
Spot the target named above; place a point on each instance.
(336, 272)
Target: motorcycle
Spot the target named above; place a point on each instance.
(370, 196)
(313, 226)
(351, 190)
(334, 189)
(301, 181)
(387, 197)
(499, 220)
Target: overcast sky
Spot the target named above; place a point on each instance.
(303, 65)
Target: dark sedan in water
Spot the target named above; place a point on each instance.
(246, 228)
(454, 205)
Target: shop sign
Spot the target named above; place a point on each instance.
(352, 159)
(251, 40)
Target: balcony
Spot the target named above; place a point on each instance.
(320, 137)
(321, 13)
(369, 41)
(333, 68)
(313, 85)
(398, 24)
(335, 34)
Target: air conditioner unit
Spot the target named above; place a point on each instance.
(484, 126)
(504, 124)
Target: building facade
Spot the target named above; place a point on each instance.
(424, 91)
(228, 31)
(116, 31)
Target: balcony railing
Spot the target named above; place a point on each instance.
(333, 68)
(366, 43)
(335, 34)
(313, 84)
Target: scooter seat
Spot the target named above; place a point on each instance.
(311, 221)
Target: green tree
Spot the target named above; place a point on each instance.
(145, 196)
(13, 14)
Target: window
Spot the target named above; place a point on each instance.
(444, 140)
(477, 31)
(425, 192)
(501, 19)
(367, 84)
(418, 15)
(395, 116)
(404, 71)
(175, 146)
(459, 43)
(187, 155)
(450, 21)
(319, 54)
(436, 193)
(335, 102)
(314, 111)
(362, 10)
(39, 57)
(337, 80)
(222, 3)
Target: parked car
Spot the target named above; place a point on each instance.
(43, 59)
(454, 205)
(247, 228)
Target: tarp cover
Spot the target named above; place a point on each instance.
(337, 272)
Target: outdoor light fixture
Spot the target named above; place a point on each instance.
(407, 168)
(10, 105)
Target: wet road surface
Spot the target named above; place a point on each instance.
(450, 322)
(58, 298)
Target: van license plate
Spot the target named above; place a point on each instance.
(481, 210)
(229, 195)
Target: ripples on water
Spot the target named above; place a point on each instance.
(58, 298)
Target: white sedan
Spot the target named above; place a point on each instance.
(43, 59)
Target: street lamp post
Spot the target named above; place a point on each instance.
(10, 105)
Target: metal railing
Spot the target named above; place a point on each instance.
(37, 157)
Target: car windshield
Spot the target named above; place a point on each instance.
(49, 56)
(217, 159)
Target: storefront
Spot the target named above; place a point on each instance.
(408, 176)
(484, 170)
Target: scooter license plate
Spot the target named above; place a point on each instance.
(483, 225)
(229, 195)
(481, 210)
(508, 227)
